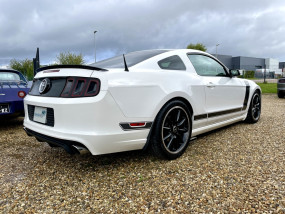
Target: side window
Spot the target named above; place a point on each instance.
(172, 63)
(206, 66)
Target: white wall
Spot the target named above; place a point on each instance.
(273, 65)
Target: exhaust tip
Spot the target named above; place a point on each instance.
(81, 150)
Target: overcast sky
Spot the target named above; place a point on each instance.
(253, 28)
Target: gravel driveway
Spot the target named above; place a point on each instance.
(237, 169)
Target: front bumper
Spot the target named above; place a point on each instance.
(93, 122)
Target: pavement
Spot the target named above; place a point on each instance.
(268, 80)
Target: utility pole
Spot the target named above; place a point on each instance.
(264, 74)
(217, 50)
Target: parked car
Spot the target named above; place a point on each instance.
(155, 99)
(281, 87)
(13, 89)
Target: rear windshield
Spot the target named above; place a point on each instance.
(11, 77)
(132, 58)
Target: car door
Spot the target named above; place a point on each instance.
(224, 94)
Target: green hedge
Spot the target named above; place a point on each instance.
(249, 74)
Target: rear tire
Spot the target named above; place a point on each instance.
(254, 110)
(280, 94)
(171, 131)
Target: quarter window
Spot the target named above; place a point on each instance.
(172, 63)
(206, 66)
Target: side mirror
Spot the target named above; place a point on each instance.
(234, 73)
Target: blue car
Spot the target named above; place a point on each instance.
(13, 89)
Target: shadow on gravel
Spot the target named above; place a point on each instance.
(43, 154)
(7, 122)
(100, 161)
(57, 156)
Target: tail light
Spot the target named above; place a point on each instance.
(21, 94)
(81, 87)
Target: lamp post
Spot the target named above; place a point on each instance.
(217, 50)
(264, 74)
(95, 44)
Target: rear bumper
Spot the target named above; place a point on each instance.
(15, 108)
(92, 122)
(66, 144)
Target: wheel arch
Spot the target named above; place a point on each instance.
(258, 90)
(182, 99)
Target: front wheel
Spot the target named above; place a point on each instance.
(254, 110)
(172, 130)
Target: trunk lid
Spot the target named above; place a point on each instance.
(63, 80)
(9, 91)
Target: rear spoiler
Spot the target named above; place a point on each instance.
(70, 66)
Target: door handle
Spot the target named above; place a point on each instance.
(210, 85)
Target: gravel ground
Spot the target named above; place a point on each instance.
(237, 169)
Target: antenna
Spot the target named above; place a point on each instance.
(126, 66)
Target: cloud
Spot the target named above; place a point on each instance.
(248, 28)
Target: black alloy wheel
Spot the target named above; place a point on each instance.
(172, 130)
(254, 110)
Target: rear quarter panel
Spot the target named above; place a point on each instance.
(143, 93)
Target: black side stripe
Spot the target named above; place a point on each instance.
(200, 117)
(216, 114)
(246, 96)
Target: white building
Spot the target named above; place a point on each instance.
(273, 65)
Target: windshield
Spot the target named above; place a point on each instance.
(11, 77)
(131, 59)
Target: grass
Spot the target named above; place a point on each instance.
(250, 78)
(268, 88)
(253, 78)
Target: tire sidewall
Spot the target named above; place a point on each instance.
(157, 143)
(252, 119)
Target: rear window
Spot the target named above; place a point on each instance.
(9, 77)
(132, 58)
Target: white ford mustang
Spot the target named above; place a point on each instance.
(156, 99)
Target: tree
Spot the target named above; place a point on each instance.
(25, 66)
(198, 46)
(70, 59)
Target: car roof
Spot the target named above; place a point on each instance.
(9, 70)
(138, 57)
